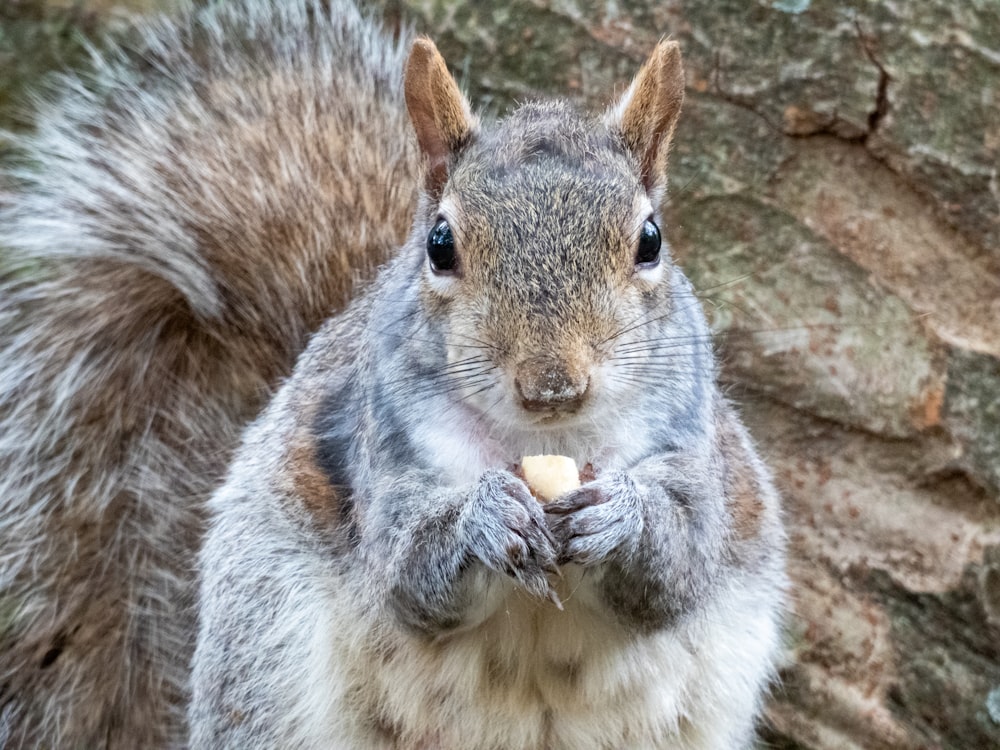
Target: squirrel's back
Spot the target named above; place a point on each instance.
(184, 217)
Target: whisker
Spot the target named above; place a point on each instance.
(700, 293)
(438, 380)
(657, 316)
(473, 394)
(466, 365)
(660, 370)
(423, 388)
(480, 342)
(671, 341)
(666, 342)
(485, 412)
(631, 326)
(450, 370)
(685, 187)
(732, 332)
(409, 314)
(653, 358)
(719, 303)
(699, 297)
(661, 363)
(408, 336)
(642, 380)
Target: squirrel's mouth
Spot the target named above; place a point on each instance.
(553, 408)
(557, 415)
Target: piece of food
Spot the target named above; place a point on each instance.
(550, 476)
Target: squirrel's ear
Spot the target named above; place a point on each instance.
(646, 115)
(440, 113)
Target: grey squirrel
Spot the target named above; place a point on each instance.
(374, 572)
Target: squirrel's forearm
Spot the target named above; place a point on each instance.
(703, 516)
(416, 551)
(446, 557)
(676, 563)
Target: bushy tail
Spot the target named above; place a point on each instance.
(184, 216)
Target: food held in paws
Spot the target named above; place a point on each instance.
(550, 476)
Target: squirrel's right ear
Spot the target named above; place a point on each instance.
(645, 117)
(441, 116)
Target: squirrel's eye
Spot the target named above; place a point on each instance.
(648, 253)
(441, 248)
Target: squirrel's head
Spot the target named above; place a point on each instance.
(545, 267)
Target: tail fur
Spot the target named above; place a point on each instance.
(184, 216)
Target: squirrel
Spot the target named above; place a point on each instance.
(279, 315)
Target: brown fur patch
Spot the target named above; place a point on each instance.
(311, 485)
(744, 492)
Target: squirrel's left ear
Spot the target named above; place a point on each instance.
(441, 116)
(646, 115)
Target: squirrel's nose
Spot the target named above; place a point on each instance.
(547, 384)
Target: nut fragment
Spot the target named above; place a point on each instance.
(550, 476)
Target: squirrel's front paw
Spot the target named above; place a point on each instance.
(506, 530)
(600, 520)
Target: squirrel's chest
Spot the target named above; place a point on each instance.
(472, 448)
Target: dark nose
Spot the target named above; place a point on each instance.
(547, 384)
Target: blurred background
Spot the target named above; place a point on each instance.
(835, 197)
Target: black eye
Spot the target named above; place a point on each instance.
(441, 248)
(648, 253)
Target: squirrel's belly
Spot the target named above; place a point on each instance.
(531, 677)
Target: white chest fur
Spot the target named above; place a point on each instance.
(466, 445)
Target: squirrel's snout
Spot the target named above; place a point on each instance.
(547, 384)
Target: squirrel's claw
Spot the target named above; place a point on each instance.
(509, 534)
